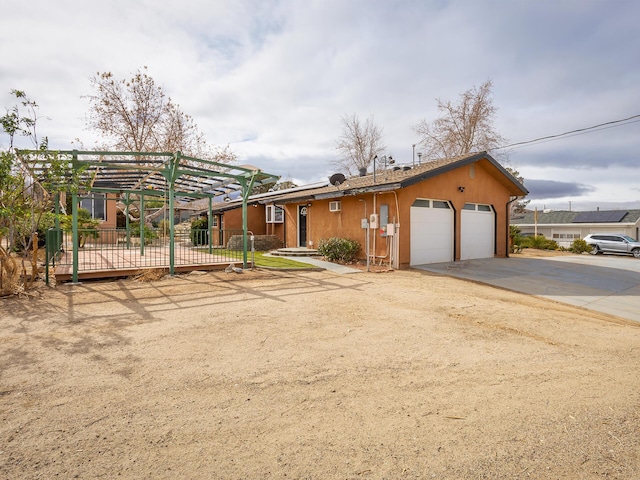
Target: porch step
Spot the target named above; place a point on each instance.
(295, 252)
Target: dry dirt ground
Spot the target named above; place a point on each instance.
(313, 375)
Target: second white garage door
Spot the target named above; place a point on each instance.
(477, 232)
(431, 232)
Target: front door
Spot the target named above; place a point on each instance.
(302, 225)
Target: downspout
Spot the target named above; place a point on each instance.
(508, 221)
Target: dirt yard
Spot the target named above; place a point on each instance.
(313, 375)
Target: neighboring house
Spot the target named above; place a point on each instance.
(564, 226)
(440, 211)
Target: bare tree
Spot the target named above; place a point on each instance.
(358, 144)
(136, 115)
(464, 127)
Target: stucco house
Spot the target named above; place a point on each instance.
(440, 211)
(566, 226)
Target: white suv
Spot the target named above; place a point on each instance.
(612, 243)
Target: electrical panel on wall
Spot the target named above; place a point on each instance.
(384, 219)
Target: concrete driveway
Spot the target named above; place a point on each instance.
(605, 283)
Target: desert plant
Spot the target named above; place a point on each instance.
(339, 249)
(540, 242)
(579, 246)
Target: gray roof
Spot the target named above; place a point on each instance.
(577, 218)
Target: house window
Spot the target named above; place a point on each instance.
(96, 204)
(214, 221)
(275, 214)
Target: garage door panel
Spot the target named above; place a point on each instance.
(477, 234)
(431, 235)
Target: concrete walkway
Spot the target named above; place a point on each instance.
(332, 267)
(604, 283)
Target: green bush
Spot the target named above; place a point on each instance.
(149, 234)
(200, 231)
(539, 242)
(87, 226)
(579, 246)
(339, 249)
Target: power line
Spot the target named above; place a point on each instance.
(580, 131)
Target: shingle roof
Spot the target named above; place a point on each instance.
(393, 179)
(566, 217)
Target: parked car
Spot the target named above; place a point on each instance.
(612, 243)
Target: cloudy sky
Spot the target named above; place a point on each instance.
(273, 78)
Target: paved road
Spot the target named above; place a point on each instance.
(605, 283)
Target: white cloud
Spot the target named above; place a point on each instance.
(274, 77)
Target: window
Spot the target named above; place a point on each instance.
(96, 205)
(275, 214)
(440, 204)
(421, 203)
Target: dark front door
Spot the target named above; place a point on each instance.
(302, 226)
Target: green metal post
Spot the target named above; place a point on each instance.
(126, 219)
(142, 224)
(244, 225)
(170, 175)
(210, 226)
(246, 190)
(57, 210)
(74, 236)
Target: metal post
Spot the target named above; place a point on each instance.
(172, 231)
(126, 220)
(74, 236)
(142, 224)
(210, 226)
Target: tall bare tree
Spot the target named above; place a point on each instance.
(358, 144)
(464, 127)
(136, 115)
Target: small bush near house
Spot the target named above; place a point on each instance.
(339, 249)
(579, 246)
(539, 242)
(200, 231)
(149, 233)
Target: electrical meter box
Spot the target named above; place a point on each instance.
(391, 229)
(364, 223)
(373, 220)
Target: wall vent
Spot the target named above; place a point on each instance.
(335, 206)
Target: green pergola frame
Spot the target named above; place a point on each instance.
(152, 174)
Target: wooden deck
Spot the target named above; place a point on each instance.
(105, 263)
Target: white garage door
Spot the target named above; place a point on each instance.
(477, 232)
(431, 232)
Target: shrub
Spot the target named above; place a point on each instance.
(87, 226)
(339, 249)
(149, 234)
(200, 231)
(539, 242)
(579, 246)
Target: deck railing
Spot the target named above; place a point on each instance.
(112, 249)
